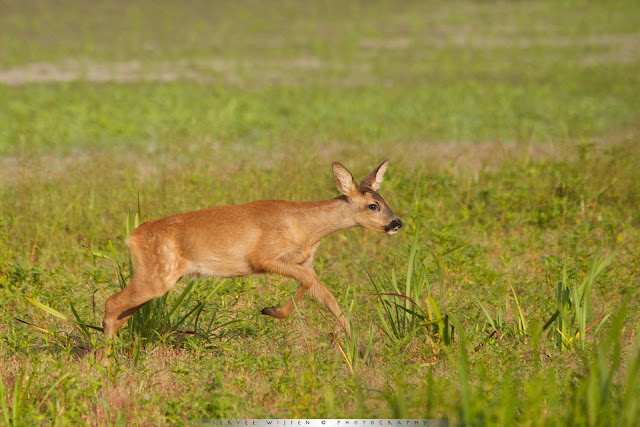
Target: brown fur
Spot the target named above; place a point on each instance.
(267, 236)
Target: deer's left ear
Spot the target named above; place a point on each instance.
(375, 177)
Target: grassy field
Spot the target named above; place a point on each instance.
(513, 133)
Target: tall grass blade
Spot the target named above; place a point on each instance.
(46, 308)
(440, 282)
(484, 309)
(630, 406)
(186, 291)
(38, 328)
(522, 321)
(463, 373)
(413, 252)
(82, 326)
(344, 355)
(53, 386)
(3, 403)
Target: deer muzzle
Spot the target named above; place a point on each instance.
(393, 226)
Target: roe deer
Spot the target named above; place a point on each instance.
(266, 236)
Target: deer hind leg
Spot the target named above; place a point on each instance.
(121, 306)
(156, 271)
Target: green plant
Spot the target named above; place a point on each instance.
(522, 324)
(598, 399)
(20, 274)
(573, 312)
(78, 321)
(14, 412)
(356, 346)
(400, 316)
(399, 313)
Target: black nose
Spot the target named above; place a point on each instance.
(396, 224)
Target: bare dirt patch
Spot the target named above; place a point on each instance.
(598, 49)
(607, 48)
(200, 70)
(119, 72)
(386, 43)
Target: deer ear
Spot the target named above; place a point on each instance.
(374, 179)
(344, 180)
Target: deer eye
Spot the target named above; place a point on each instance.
(372, 207)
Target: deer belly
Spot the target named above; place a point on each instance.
(220, 267)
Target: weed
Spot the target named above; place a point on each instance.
(400, 316)
(20, 275)
(574, 305)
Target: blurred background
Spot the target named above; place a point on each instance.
(273, 74)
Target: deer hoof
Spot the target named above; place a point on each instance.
(270, 311)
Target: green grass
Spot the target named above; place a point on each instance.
(512, 130)
(56, 119)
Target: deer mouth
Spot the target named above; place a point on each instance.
(393, 226)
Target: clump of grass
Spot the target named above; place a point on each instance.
(598, 399)
(573, 317)
(13, 411)
(20, 274)
(399, 313)
(357, 346)
(17, 405)
(404, 313)
(498, 322)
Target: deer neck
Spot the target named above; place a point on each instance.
(328, 216)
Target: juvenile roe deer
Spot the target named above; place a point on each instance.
(266, 236)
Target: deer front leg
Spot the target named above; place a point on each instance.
(302, 274)
(324, 296)
(321, 294)
(308, 280)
